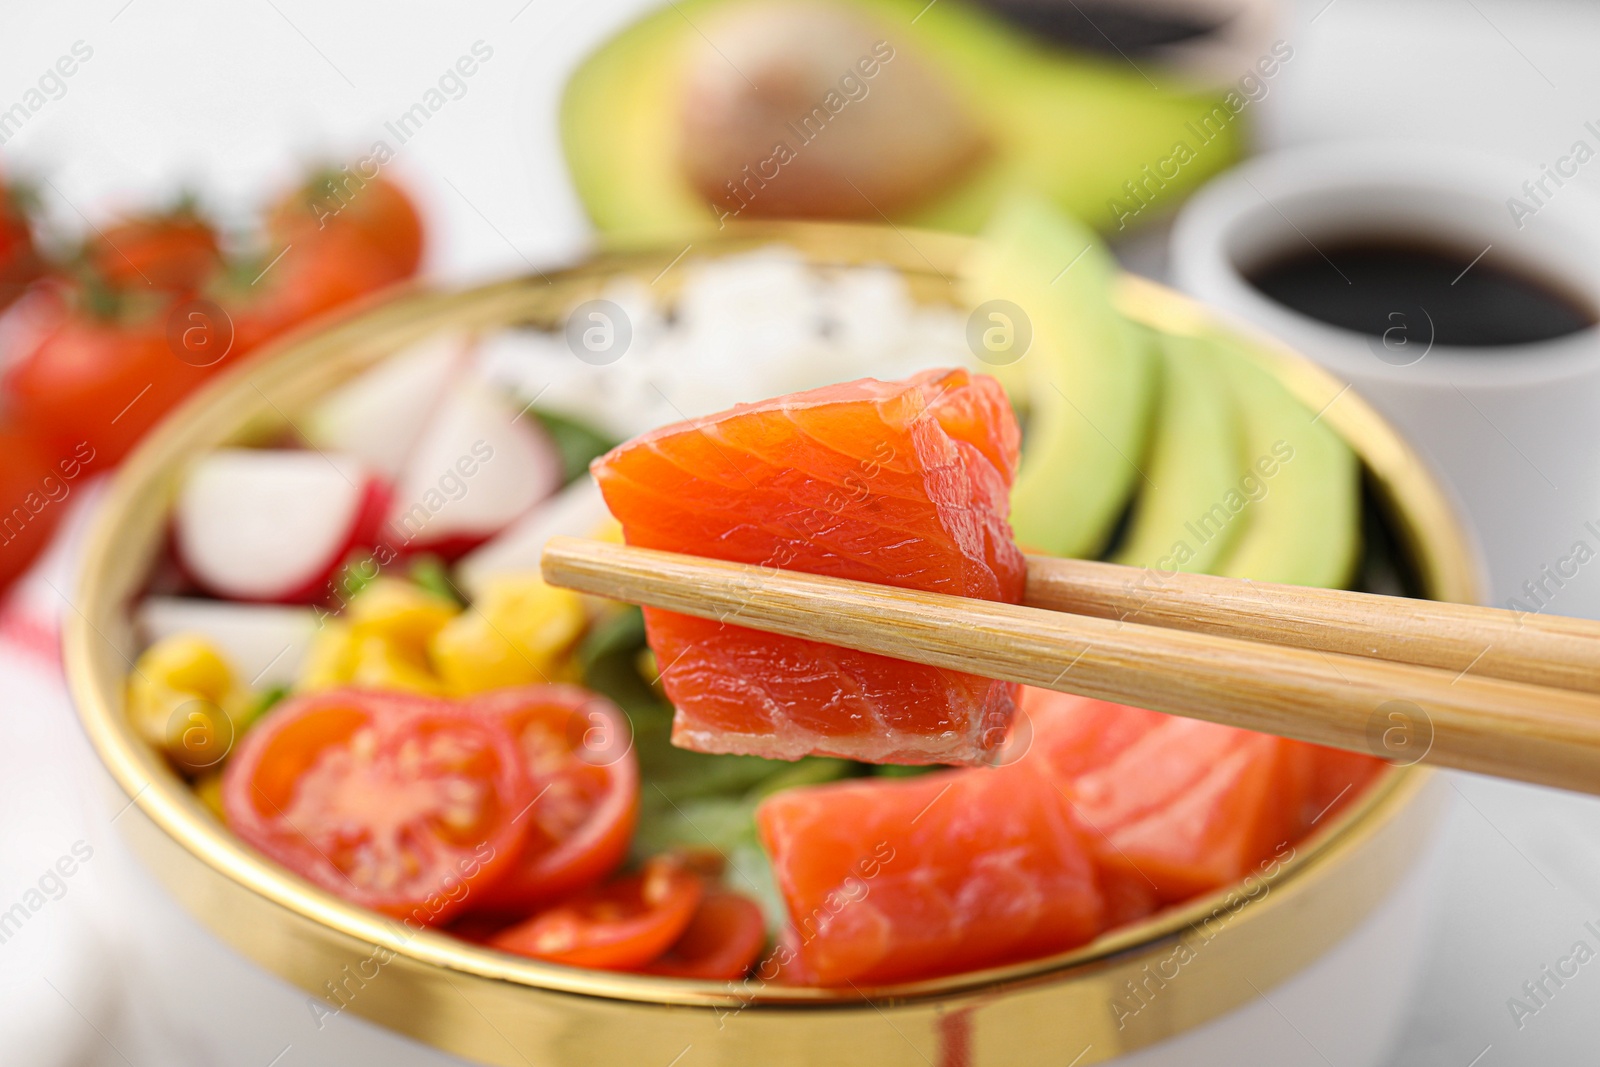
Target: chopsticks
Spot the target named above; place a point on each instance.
(1519, 646)
(1397, 678)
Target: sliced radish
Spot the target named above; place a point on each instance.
(575, 511)
(378, 415)
(264, 643)
(478, 467)
(274, 525)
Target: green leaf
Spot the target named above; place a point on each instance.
(903, 770)
(578, 443)
(430, 573)
(725, 825)
(812, 770)
(259, 705)
(620, 631)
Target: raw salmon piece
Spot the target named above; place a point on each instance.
(1192, 806)
(1072, 735)
(891, 880)
(1337, 778)
(897, 483)
(1151, 773)
(1129, 896)
(784, 965)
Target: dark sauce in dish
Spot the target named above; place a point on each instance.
(1100, 26)
(1373, 286)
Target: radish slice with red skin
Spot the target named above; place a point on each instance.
(274, 525)
(480, 465)
(380, 415)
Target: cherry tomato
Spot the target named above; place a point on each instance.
(578, 751)
(31, 491)
(19, 260)
(312, 275)
(173, 252)
(375, 209)
(722, 941)
(619, 926)
(102, 380)
(399, 803)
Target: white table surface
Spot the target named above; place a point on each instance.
(228, 94)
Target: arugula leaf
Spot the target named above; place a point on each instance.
(432, 576)
(259, 705)
(577, 442)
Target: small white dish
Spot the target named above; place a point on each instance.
(1516, 428)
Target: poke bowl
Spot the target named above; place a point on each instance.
(1333, 918)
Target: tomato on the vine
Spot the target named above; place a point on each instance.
(374, 209)
(303, 279)
(31, 490)
(403, 804)
(102, 377)
(20, 263)
(173, 252)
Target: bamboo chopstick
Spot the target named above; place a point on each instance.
(1489, 642)
(1490, 725)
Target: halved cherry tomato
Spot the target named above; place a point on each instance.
(722, 941)
(619, 926)
(578, 751)
(403, 804)
(375, 209)
(174, 252)
(477, 928)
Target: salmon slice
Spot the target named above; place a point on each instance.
(898, 483)
(1337, 778)
(1069, 736)
(887, 880)
(1073, 735)
(1192, 806)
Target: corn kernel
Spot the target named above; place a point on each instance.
(400, 613)
(521, 632)
(381, 641)
(381, 664)
(187, 662)
(180, 689)
(331, 659)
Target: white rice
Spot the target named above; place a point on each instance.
(745, 327)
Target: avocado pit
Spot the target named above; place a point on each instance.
(806, 109)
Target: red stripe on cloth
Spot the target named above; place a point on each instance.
(36, 638)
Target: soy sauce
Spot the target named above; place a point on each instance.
(1112, 27)
(1370, 286)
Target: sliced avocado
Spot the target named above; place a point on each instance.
(1304, 499)
(1085, 385)
(1179, 520)
(1097, 136)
